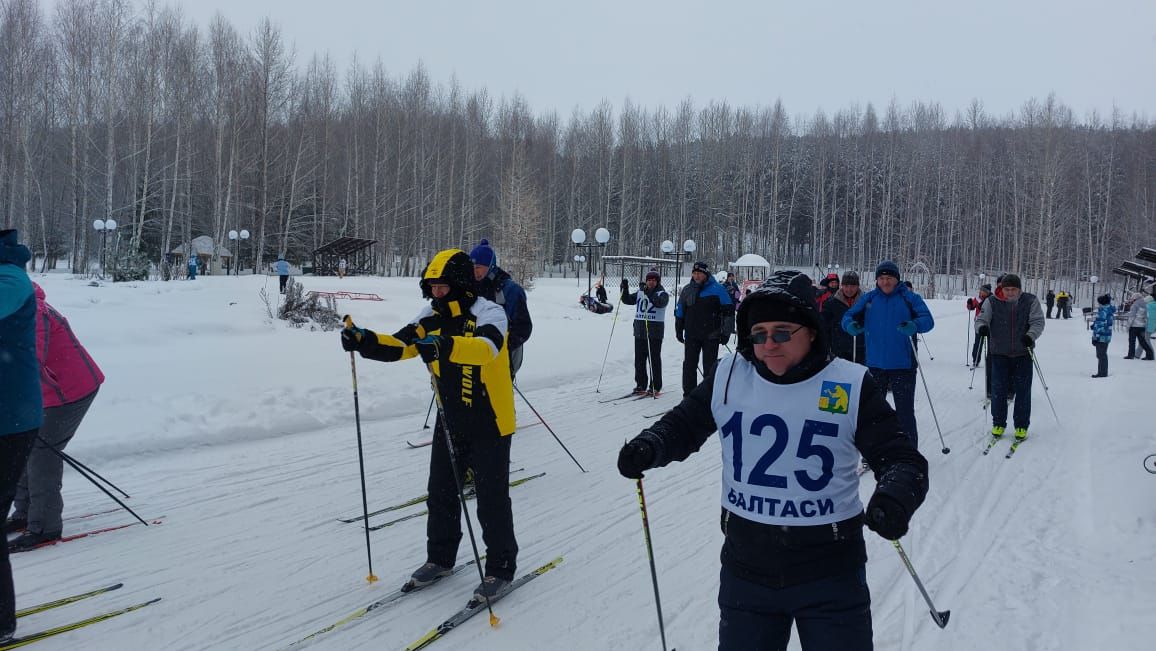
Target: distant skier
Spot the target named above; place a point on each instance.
(21, 406)
(842, 344)
(1050, 299)
(793, 548)
(281, 268)
(1063, 305)
(193, 265)
(976, 305)
(1012, 325)
(342, 266)
(463, 339)
(650, 303)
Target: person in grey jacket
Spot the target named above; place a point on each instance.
(1137, 318)
(1012, 324)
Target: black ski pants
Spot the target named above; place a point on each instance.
(1140, 335)
(488, 455)
(1101, 357)
(708, 348)
(647, 361)
(830, 613)
(14, 449)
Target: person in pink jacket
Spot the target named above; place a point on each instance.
(69, 380)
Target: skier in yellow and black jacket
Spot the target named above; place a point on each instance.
(462, 337)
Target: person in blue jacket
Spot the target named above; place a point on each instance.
(281, 268)
(495, 284)
(888, 316)
(21, 406)
(192, 265)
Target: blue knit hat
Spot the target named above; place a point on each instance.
(887, 268)
(484, 255)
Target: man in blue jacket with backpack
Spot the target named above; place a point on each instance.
(888, 316)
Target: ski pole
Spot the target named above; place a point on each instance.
(650, 555)
(607, 354)
(923, 377)
(76, 462)
(548, 428)
(428, 412)
(76, 466)
(940, 616)
(967, 346)
(1044, 382)
(924, 340)
(982, 344)
(360, 458)
(435, 383)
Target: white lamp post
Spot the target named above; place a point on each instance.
(104, 227)
(237, 238)
(578, 237)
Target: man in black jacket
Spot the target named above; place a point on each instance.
(792, 426)
(649, 327)
(703, 319)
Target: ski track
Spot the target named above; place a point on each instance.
(1050, 549)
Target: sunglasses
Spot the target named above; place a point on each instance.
(777, 336)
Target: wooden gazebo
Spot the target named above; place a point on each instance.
(360, 256)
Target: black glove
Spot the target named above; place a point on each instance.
(886, 517)
(634, 457)
(679, 336)
(352, 336)
(625, 285)
(724, 338)
(1027, 341)
(983, 331)
(434, 348)
(971, 303)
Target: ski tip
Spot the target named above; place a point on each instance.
(941, 617)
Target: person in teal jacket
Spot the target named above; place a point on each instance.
(888, 316)
(21, 406)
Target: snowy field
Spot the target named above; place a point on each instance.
(239, 431)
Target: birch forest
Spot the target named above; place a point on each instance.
(115, 110)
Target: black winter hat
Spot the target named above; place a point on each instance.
(850, 278)
(888, 268)
(1104, 299)
(1012, 280)
(785, 296)
(702, 266)
(653, 273)
(985, 288)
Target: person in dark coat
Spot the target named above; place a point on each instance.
(650, 303)
(1050, 299)
(494, 284)
(853, 349)
(21, 405)
(792, 425)
(976, 304)
(703, 320)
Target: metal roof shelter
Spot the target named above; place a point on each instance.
(1136, 267)
(1147, 255)
(634, 267)
(360, 256)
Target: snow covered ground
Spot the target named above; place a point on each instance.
(239, 431)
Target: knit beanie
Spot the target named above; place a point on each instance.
(888, 268)
(1012, 280)
(483, 254)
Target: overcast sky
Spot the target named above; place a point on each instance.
(810, 53)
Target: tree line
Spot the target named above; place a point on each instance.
(108, 110)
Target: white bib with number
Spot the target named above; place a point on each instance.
(644, 310)
(788, 450)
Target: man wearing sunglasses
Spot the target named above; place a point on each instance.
(792, 426)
